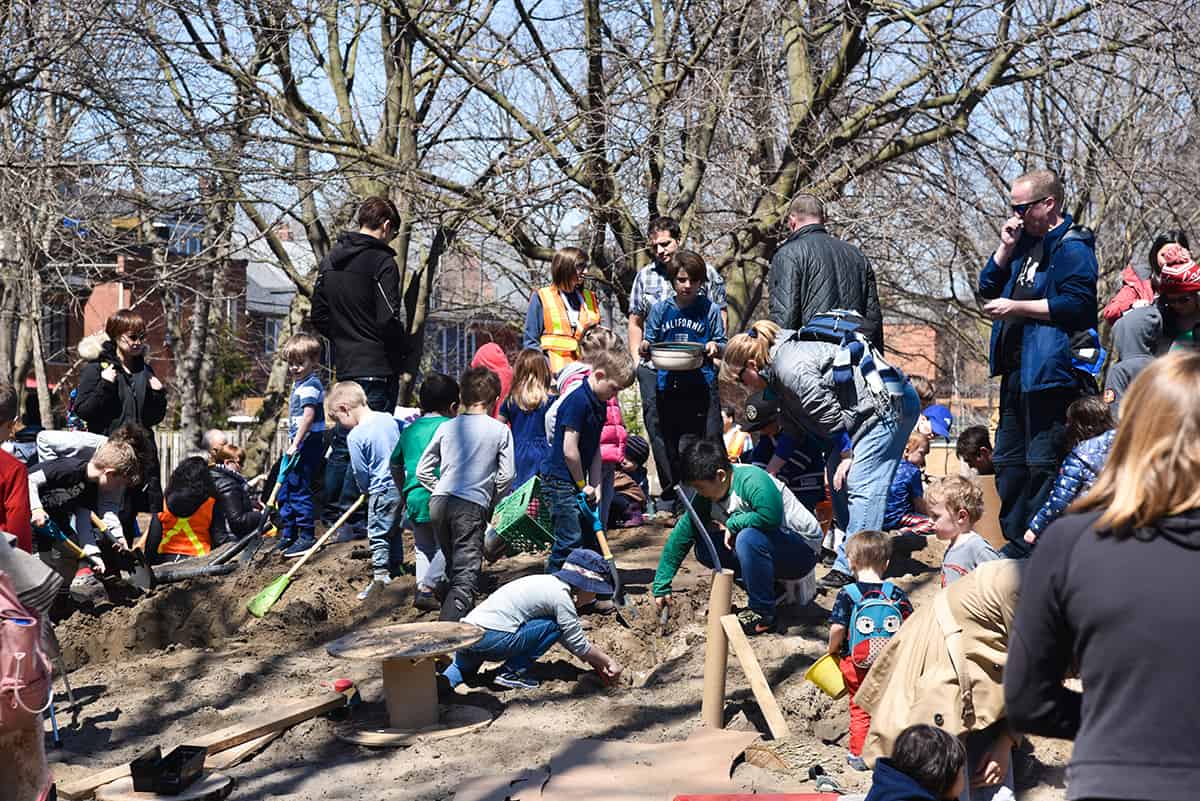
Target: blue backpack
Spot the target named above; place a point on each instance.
(875, 620)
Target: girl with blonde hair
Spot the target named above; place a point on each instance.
(867, 444)
(524, 411)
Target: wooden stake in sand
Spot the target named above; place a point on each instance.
(716, 651)
(758, 682)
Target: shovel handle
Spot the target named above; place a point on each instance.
(284, 463)
(317, 545)
(597, 525)
(99, 523)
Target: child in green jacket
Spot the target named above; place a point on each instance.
(756, 524)
(438, 397)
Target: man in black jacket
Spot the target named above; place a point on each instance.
(357, 306)
(814, 272)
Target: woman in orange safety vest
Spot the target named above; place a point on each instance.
(560, 313)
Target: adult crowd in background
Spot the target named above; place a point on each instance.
(823, 460)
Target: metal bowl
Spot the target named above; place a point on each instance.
(675, 356)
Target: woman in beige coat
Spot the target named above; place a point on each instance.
(945, 667)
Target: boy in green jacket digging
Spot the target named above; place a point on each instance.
(757, 527)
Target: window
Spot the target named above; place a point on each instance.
(54, 334)
(272, 328)
(231, 313)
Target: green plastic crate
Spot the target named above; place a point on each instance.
(523, 519)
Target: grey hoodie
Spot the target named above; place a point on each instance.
(1136, 339)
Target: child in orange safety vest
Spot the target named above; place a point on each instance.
(184, 529)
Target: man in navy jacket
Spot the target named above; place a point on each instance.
(1040, 287)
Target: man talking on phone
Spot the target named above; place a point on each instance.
(1040, 288)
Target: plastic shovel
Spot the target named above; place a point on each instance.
(141, 576)
(261, 604)
(618, 589)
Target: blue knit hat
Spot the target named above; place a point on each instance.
(586, 570)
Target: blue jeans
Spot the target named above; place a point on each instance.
(518, 650)
(1029, 444)
(759, 558)
(341, 490)
(295, 497)
(876, 455)
(384, 531)
(569, 522)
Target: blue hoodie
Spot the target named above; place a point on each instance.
(1068, 284)
(889, 784)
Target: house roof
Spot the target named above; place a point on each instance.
(269, 290)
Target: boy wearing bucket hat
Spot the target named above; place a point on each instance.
(525, 617)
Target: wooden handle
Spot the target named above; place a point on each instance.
(98, 523)
(317, 545)
(284, 463)
(758, 682)
(274, 494)
(604, 551)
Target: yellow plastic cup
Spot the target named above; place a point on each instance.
(826, 674)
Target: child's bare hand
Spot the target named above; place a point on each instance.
(1030, 537)
(39, 518)
(109, 374)
(662, 602)
(711, 349)
(589, 492)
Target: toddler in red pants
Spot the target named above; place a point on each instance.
(866, 614)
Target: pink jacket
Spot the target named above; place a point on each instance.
(613, 435)
(1132, 289)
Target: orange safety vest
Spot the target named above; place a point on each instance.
(187, 535)
(560, 340)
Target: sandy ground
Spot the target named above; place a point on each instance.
(189, 660)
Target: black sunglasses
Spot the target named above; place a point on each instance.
(1021, 208)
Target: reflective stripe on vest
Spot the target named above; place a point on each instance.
(187, 535)
(560, 340)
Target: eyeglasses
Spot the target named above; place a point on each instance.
(1020, 208)
(139, 336)
(1179, 300)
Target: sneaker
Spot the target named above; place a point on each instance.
(426, 602)
(284, 543)
(380, 580)
(300, 547)
(753, 623)
(828, 557)
(835, 580)
(856, 762)
(516, 681)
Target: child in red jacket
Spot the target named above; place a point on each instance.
(612, 452)
(14, 479)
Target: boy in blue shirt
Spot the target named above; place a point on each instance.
(906, 510)
(687, 400)
(305, 453)
(573, 464)
(372, 438)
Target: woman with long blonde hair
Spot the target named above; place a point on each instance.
(524, 411)
(867, 444)
(1110, 594)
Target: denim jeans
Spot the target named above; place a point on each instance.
(384, 531)
(569, 523)
(759, 558)
(296, 508)
(430, 561)
(518, 650)
(460, 526)
(341, 490)
(876, 455)
(1029, 444)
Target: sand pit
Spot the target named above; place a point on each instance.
(190, 659)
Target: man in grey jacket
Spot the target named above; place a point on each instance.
(814, 272)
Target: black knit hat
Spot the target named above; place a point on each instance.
(637, 450)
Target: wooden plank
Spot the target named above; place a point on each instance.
(758, 682)
(210, 787)
(269, 721)
(264, 723)
(239, 754)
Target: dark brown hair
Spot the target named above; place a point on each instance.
(375, 211)
(691, 263)
(124, 321)
(668, 225)
(479, 385)
(1086, 418)
(568, 262)
(931, 757)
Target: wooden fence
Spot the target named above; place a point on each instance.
(173, 449)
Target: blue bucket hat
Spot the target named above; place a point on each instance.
(586, 570)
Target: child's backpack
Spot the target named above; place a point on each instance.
(875, 620)
(25, 690)
(843, 328)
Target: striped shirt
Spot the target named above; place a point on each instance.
(308, 391)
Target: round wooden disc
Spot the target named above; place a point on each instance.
(209, 787)
(455, 719)
(405, 641)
